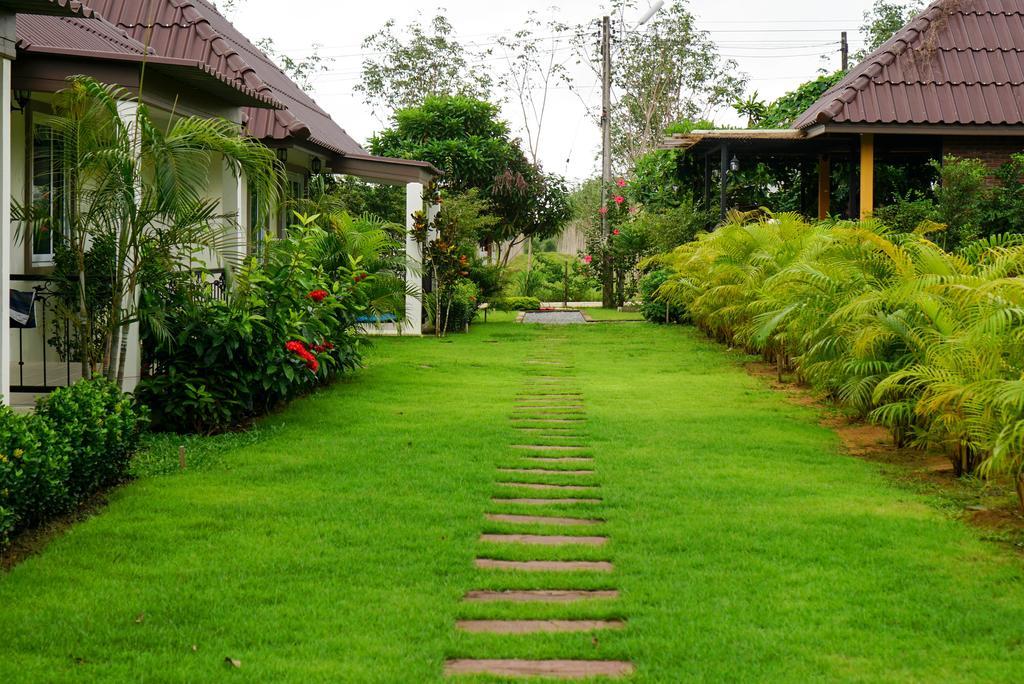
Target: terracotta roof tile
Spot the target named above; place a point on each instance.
(958, 62)
(194, 29)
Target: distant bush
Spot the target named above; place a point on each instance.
(464, 305)
(654, 309)
(80, 440)
(516, 304)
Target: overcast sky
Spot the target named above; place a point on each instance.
(777, 44)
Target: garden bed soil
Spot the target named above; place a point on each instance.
(30, 542)
(990, 506)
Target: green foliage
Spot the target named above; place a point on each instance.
(784, 111)
(464, 307)
(227, 361)
(924, 341)
(960, 201)
(516, 304)
(654, 308)
(359, 198)
(80, 440)
(546, 279)
(1004, 210)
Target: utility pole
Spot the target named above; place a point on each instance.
(607, 293)
(845, 48)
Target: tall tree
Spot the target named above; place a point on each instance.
(534, 64)
(666, 71)
(418, 62)
(467, 140)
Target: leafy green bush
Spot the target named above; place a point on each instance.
(463, 307)
(516, 304)
(653, 308)
(79, 441)
(98, 426)
(927, 342)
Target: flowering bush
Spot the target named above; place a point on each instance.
(288, 326)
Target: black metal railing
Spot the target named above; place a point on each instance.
(214, 282)
(41, 367)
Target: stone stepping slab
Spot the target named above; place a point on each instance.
(542, 520)
(543, 471)
(550, 460)
(545, 502)
(550, 447)
(536, 626)
(540, 596)
(553, 669)
(545, 566)
(542, 539)
(541, 486)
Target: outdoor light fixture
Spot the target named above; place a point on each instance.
(734, 165)
(316, 166)
(282, 154)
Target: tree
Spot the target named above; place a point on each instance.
(429, 62)
(666, 72)
(137, 187)
(784, 111)
(467, 140)
(884, 19)
(532, 69)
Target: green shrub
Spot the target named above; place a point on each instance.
(654, 309)
(516, 304)
(465, 302)
(98, 426)
(80, 440)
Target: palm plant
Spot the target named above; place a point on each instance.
(927, 342)
(142, 186)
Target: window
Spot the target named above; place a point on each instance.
(48, 194)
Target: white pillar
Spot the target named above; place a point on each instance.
(234, 201)
(6, 235)
(133, 352)
(413, 260)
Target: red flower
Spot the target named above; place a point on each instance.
(621, 182)
(587, 259)
(615, 232)
(296, 347)
(360, 277)
(603, 210)
(313, 365)
(319, 295)
(619, 199)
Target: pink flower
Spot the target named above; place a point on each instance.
(588, 259)
(603, 210)
(621, 182)
(619, 199)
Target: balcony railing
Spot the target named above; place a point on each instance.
(38, 364)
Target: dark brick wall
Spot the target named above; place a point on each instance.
(993, 151)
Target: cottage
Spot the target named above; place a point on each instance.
(194, 62)
(950, 82)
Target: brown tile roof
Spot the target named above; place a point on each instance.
(960, 62)
(61, 8)
(194, 30)
(97, 38)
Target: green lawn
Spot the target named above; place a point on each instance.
(336, 543)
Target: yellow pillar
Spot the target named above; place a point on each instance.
(867, 175)
(824, 187)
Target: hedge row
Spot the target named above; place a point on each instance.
(79, 440)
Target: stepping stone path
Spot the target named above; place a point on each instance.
(548, 411)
